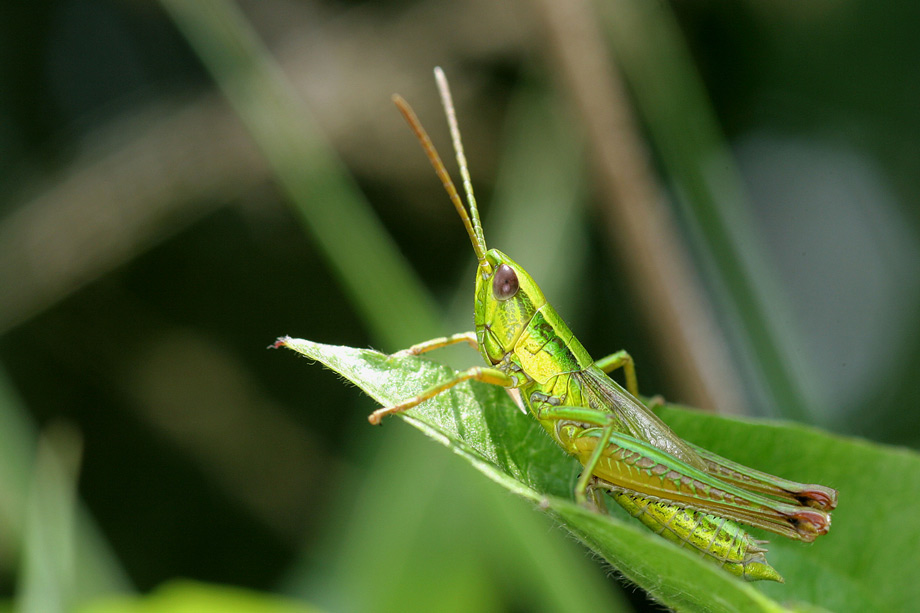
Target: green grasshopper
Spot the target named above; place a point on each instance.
(686, 494)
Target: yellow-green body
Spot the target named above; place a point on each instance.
(688, 495)
(527, 339)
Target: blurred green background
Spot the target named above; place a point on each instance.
(181, 183)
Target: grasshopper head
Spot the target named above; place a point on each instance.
(506, 299)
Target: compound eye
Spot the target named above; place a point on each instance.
(504, 283)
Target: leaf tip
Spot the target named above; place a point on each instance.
(281, 341)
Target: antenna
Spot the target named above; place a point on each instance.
(473, 228)
(448, 103)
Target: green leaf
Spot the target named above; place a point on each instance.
(869, 543)
(183, 596)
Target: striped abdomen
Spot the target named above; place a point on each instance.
(724, 541)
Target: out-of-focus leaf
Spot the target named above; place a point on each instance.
(369, 265)
(192, 597)
(42, 525)
(47, 580)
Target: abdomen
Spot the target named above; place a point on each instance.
(724, 541)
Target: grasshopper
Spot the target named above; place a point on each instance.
(686, 494)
